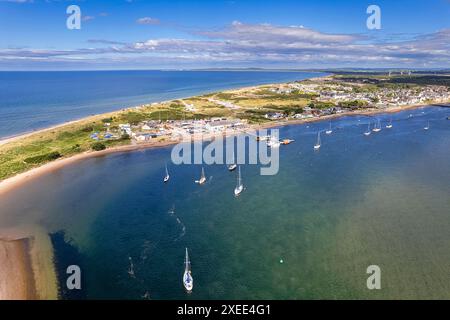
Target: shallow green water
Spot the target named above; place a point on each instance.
(382, 199)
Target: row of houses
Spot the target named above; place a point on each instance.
(149, 130)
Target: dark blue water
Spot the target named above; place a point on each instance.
(35, 100)
(382, 199)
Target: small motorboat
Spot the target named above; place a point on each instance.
(287, 141)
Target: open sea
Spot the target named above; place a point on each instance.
(309, 232)
(36, 100)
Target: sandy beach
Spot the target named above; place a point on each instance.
(26, 268)
(16, 278)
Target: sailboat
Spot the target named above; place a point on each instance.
(427, 126)
(202, 179)
(389, 125)
(318, 143)
(329, 131)
(239, 186)
(367, 133)
(167, 176)
(377, 127)
(188, 281)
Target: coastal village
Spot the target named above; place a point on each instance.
(238, 110)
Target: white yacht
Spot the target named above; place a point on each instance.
(202, 179)
(389, 125)
(329, 131)
(167, 176)
(427, 126)
(239, 186)
(367, 133)
(377, 127)
(318, 143)
(188, 281)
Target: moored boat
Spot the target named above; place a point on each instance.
(377, 127)
(202, 179)
(389, 125)
(287, 141)
(273, 142)
(167, 176)
(367, 133)
(318, 143)
(329, 130)
(188, 281)
(239, 186)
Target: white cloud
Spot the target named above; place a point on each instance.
(87, 18)
(268, 32)
(147, 20)
(261, 45)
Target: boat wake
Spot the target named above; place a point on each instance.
(147, 247)
(131, 268)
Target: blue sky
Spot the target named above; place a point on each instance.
(151, 34)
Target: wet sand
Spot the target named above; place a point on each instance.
(16, 274)
(27, 268)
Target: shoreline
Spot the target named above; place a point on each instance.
(11, 183)
(12, 138)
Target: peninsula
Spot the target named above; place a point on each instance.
(164, 123)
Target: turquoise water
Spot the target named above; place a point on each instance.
(35, 100)
(382, 199)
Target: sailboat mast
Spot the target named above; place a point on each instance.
(186, 262)
(239, 177)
